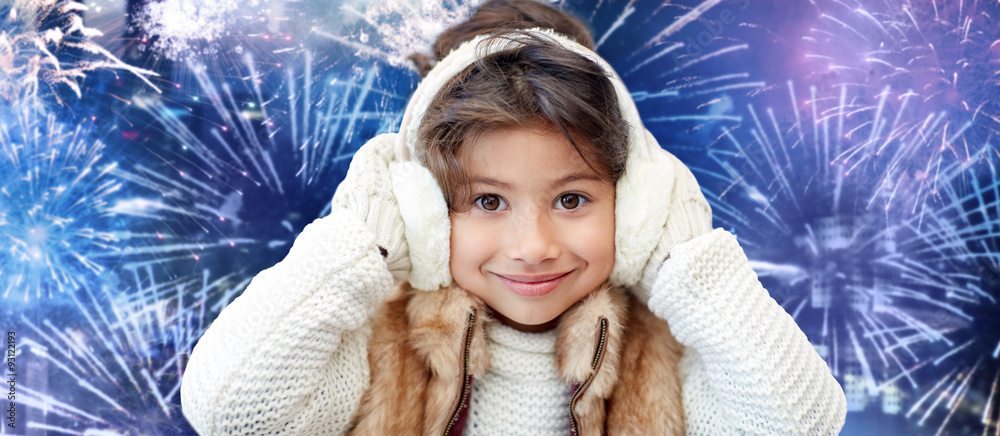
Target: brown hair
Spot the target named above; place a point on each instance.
(538, 82)
(496, 15)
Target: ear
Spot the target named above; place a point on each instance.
(427, 225)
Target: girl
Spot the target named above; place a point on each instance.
(557, 268)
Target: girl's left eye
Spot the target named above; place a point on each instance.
(570, 201)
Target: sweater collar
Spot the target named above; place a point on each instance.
(439, 320)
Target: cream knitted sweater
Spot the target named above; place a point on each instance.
(521, 395)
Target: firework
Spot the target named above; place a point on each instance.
(116, 368)
(672, 60)
(866, 260)
(55, 192)
(923, 76)
(393, 30)
(45, 43)
(970, 231)
(262, 157)
(935, 62)
(70, 212)
(388, 30)
(180, 29)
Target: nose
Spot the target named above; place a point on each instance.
(532, 238)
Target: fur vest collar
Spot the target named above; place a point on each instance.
(427, 347)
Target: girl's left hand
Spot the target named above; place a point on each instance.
(689, 216)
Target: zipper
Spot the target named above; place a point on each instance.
(466, 378)
(602, 337)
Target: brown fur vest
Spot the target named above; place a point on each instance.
(427, 346)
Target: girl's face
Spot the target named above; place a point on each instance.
(540, 234)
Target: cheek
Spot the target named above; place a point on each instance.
(597, 242)
(468, 249)
(602, 251)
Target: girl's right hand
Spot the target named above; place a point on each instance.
(367, 192)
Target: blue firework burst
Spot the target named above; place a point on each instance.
(874, 271)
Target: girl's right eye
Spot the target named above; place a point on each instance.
(490, 203)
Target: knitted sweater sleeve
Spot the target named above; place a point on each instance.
(747, 367)
(289, 355)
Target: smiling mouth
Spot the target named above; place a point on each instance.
(533, 286)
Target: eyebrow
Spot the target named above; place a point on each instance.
(570, 178)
